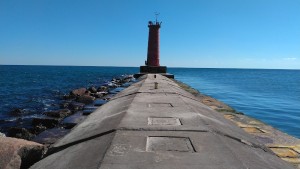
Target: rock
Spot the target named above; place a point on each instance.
(16, 112)
(126, 80)
(111, 85)
(90, 107)
(50, 136)
(97, 95)
(78, 92)
(19, 153)
(19, 133)
(129, 78)
(92, 89)
(69, 96)
(108, 97)
(87, 92)
(38, 129)
(85, 99)
(59, 113)
(103, 93)
(75, 106)
(47, 122)
(117, 81)
(88, 110)
(99, 102)
(64, 105)
(73, 120)
(2, 135)
(127, 84)
(102, 89)
(116, 90)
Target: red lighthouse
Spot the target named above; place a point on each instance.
(153, 44)
(152, 63)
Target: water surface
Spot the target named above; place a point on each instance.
(272, 96)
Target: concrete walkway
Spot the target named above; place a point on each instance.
(165, 128)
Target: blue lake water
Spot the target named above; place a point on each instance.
(272, 96)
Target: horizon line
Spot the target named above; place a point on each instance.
(138, 67)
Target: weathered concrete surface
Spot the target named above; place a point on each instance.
(143, 127)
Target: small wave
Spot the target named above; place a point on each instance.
(11, 119)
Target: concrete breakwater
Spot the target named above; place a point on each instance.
(167, 127)
(171, 126)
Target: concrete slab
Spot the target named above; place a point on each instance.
(88, 154)
(166, 149)
(167, 143)
(164, 121)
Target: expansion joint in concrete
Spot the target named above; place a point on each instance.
(53, 150)
(149, 129)
(175, 93)
(115, 98)
(243, 141)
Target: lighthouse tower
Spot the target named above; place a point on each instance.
(152, 63)
(153, 44)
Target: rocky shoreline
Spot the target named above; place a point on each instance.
(18, 144)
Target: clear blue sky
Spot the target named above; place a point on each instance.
(194, 33)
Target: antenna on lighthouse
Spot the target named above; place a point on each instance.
(156, 16)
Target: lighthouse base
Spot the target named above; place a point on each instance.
(154, 70)
(168, 75)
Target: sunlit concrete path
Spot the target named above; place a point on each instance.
(165, 128)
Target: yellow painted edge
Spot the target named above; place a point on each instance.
(292, 160)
